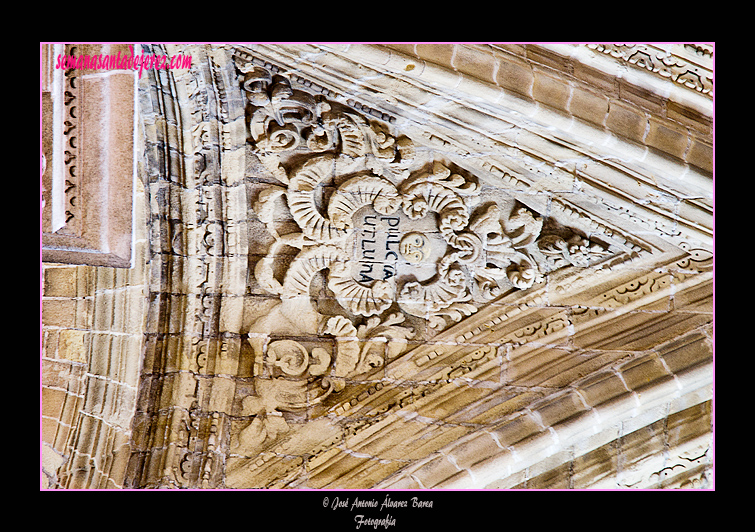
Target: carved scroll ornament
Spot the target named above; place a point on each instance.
(400, 242)
(665, 63)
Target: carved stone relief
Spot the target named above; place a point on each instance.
(666, 63)
(89, 162)
(406, 244)
(343, 297)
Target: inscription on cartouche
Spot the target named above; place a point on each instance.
(378, 247)
(384, 243)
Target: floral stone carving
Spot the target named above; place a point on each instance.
(403, 242)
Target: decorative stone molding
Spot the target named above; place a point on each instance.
(407, 244)
(88, 161)
(367, 275)
(675, 65)
(193, 173)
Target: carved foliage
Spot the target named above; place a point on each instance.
(399, 241)
(576, 251)
(664, 63)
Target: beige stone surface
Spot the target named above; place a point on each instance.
(405, 266)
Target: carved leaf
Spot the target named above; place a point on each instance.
(455, 312)
(264, 207)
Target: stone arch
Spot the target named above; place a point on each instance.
(193, 166)
(633, 323)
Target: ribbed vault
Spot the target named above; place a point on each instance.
(564, 337)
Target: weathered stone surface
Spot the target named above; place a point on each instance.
(403, 266)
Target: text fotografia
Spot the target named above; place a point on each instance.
(384, 522)
(387, 503)
(117, 61)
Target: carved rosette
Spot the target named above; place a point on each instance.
(428, 249)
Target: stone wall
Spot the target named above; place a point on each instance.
(400, 267)
(93, 323)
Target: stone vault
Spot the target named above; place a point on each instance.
(392, 266)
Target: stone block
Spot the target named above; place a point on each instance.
(181, 388)
(96, 392)
(59, 312)
(52, 402)
(60, 282)
(595, 466)
(404, 48)
(104, 279)
(485, 91)
(548, 58)
(371, 473)
(515, 75)
(474, 450)
(438, 436)
(99, 353)
(229, 358)
(221, 395)
(700, 155)
(118, 356)
(450, 400)
(49, 429)
(121, 456)
(550, 90)
(131, 359)
(494, 406)
(642, 444)
(667, 137)
(438, 53)
(73, 345)
(628, 332)
(119, 305)
(378, 441)
(601, 388)
(558, 477)
(588, 105)
(578, 366)
(626, 121)
(600, 80)
(437, 470)
(122, 405)
(686, 352)
(689, 424)
(63, 374)
(51, 461)
(689, 116)
(633, 90)
(527, 364)
(517, 429)
(643, 371)
(231, 314)
(50, 342)
(480, 64)
(561, 408)
(329, 474)
(511, 48)
(406, 482)
(135, 313)
(512, 481)
(663, 326)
